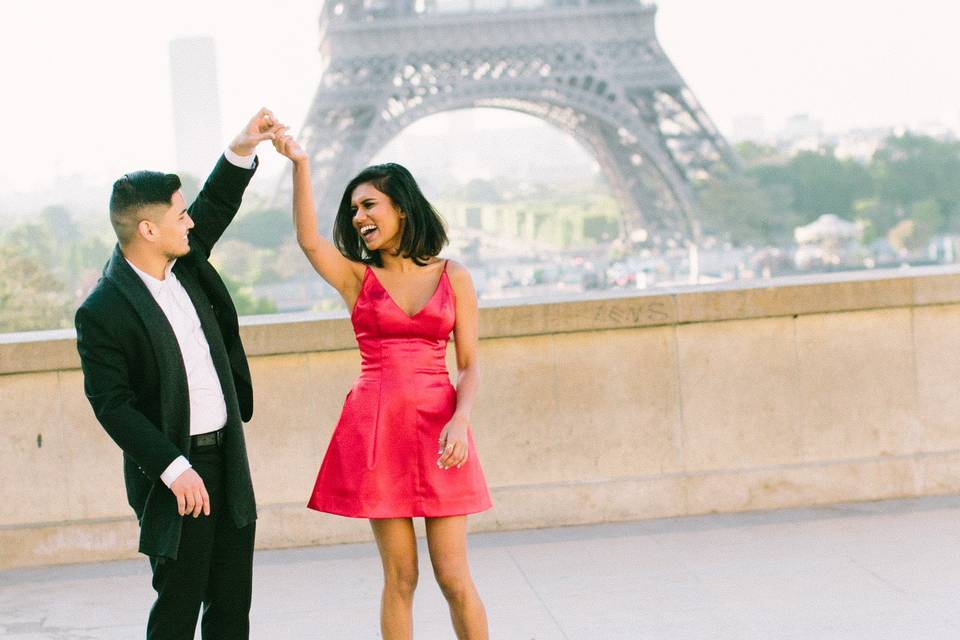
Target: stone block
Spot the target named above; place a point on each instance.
(738, 395)
(857, 385)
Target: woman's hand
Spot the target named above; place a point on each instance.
(453, 450)
(287, 146)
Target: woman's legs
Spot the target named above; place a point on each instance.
(447, 541)
(398, 553)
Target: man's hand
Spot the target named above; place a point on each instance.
(192, 497)
(262, 126)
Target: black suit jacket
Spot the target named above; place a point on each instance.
(135, 379)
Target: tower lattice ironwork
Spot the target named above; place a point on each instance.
(593, 68)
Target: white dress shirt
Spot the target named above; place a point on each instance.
(208, 409)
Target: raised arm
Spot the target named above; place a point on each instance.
(343, 274)
(218, 201)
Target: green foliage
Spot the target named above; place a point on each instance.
(87, 254)
(819, 182)
(244, 300)
(928, 220)
(59, 223)
(877, 216)
(34, 240)
(755, 154)
(600, 228)
(49, 266)
(263, 228)
(740, 209)
(31, 297)
(911, 178)
(912, 168)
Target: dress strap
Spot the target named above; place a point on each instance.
(445, 263)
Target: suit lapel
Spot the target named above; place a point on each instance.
(173, 375)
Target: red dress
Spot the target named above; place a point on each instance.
(382, 458)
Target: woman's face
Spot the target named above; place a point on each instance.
(376, 218)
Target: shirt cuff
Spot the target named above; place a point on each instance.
(244, 162)
(174, 470)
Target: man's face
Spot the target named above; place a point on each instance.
(168, 231)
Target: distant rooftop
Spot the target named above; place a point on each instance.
(365, 10)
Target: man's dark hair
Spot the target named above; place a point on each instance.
(133, 192)
(423, 232)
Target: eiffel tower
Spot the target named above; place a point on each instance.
(592, 68)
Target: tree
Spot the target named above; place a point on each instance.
(244, 301)
(90, 252)
(738, 208)
(877, 217)
(928, 219)
(31, 297)
(264, 228)
(59, 223)
(915, 233)
(913, 168)
(756, 154)
(600, 228)
(35, 240)
(819, 182)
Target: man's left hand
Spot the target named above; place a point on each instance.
(262, 126)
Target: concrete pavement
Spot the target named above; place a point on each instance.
(882, 570)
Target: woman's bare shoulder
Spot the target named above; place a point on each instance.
(460, 279)
(457, 270)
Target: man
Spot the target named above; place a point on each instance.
(166, 374)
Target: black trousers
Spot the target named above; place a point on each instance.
(213, 569)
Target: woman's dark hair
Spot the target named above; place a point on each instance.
(423, 233)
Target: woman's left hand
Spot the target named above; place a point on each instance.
(453, 449)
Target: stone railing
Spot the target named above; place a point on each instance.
(795, 393)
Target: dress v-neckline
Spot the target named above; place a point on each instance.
(395, 304)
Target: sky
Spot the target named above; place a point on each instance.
(86, 86)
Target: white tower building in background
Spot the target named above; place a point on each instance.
(196, 104)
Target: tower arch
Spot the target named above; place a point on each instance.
(592, 69)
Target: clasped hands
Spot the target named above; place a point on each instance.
(262, 126)
(265, 126)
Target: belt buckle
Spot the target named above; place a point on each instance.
(211, 439)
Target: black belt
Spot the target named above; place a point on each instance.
(212, 439)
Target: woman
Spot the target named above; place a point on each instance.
(402, 447)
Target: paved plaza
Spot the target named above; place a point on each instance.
(871, 570)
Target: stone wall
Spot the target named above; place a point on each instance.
(691, 401)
